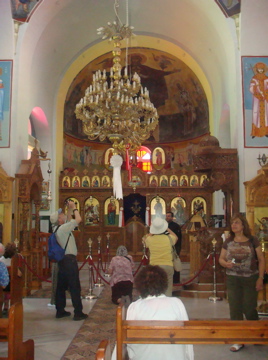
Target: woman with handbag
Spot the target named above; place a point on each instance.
(160, 241)
(243, 259)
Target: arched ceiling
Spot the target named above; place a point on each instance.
(60, 32)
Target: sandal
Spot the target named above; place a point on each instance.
(236, 347)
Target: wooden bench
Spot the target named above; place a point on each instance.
(16, 282)
(183, 332)
(11, 331)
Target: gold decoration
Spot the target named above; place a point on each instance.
(116, 106)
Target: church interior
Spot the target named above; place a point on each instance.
(186, 123)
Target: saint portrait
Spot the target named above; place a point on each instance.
(107, 158)
(158, 158)
(111, 212)
(66, 181)
(76, 181)
(178, 207)
(85, 181)
(158, 208)
(91, 211)
(105, 181)
(174, 181)
(194, 180)
(153, 181)
(199, 206)
(184, 180)
(163, 180)
(95, 181)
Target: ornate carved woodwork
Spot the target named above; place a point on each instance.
(221, 167)
(28, 199)
(124, 235)
(6, 192)
(257, 201)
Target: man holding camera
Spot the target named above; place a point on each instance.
(68, 273)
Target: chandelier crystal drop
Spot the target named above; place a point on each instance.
(116, 106)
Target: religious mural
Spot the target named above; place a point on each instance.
(174, 89)
(21, 9)
(81, 157)
(229, 7)
(255, 86)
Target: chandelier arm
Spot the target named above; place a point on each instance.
(116, 106)
(116, 6)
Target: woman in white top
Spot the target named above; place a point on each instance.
(151, 283)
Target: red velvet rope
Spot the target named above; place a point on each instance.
(32, 271)
(144, 262)
(200, 270)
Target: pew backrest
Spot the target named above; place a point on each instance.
(16, 281)
(11, 331)
(186, 332)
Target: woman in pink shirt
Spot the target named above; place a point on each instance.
(121, 268)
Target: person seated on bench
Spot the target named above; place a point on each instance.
(121, 268)
(10, 251)
(4, 277)
(151, 282)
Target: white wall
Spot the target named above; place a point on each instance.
(7, 53)
(254, 29)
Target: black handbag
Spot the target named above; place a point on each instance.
(265, 278)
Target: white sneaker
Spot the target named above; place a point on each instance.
(51, 305)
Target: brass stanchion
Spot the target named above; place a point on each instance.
(90, 295)
(144, 256)
(108, 256)
(98, 281)
(214, 298)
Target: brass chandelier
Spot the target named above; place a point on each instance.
(116, 106)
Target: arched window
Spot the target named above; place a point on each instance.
(144, 159)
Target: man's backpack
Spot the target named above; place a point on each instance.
(55, 251)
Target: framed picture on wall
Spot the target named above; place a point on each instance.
(255, 100)
(6, 67)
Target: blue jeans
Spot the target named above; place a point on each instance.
(242, 297)
(68, 279)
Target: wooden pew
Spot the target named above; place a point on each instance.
(104, 350)
(184, 332)
(16, 283)
(11, 331)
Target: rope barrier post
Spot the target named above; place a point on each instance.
(214, 298)
(98, 282)
(144, 256)
(108, 256)
(90, 295)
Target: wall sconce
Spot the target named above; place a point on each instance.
(263, 160)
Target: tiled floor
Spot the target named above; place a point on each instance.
(53, 336)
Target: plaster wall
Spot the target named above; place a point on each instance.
(254, 28)
(7, 53)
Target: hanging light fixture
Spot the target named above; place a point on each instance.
(116, 106)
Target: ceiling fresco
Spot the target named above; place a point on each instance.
(174, 89)
(22, 9)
